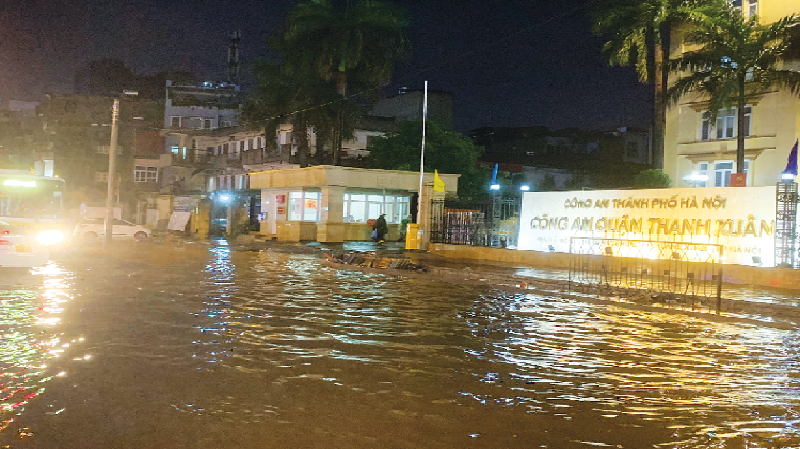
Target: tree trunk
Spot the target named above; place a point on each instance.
(661, 84)
(740, 131)
(341, 87)
(300, 129)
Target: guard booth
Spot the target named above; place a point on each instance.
(333, 204)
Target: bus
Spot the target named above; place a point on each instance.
(35, 204)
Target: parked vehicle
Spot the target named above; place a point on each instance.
(20, 248)
(95, 227)
(34, 204)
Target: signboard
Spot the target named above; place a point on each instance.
(280, 199)
(178, 221)
(281, 210)
(739, 180)
(741, 219)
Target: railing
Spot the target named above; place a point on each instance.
(674, 271)
(492, 222)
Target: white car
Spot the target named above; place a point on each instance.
(20, 249)
(95, 227)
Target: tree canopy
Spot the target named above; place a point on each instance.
(637, 34)
(445, 151)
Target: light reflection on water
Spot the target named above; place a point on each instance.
(31, 304)
(264, 349)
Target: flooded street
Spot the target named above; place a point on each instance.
(195, 347)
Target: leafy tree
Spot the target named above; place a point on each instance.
(737, 59)
(355, 46)
(637, 33)
(445, 151)
(652, 179)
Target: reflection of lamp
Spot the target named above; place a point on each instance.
(757, 260)
(609, 251)
(524, 188)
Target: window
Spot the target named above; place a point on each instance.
(723, 171)
(176, 121)
(753, 8)
(702, 171)
(209, 123)
(175, 150)
(145, 174)
(705, 125)
(101, 176)
(725, 125)
(632, 150)
(304, 206)
(358, 208)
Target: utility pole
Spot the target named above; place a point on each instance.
(112, 156)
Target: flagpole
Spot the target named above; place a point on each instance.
(422, 152)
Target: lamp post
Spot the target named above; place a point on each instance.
(112, 156)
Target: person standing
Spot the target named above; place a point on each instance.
(381, 227)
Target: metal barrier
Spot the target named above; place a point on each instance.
(492, 222)
(674, 271)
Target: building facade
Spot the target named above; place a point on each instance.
(74, 137)
(702, 153)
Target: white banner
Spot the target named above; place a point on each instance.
(740, 218)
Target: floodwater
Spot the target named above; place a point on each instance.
(184, 347)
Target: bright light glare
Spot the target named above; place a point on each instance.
(495, 187)
(787, 176)
(225, 198)
(50, 237)
(525, 188)
(698, 177)
(18, 183)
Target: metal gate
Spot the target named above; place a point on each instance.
(676, 270)
(491, 222)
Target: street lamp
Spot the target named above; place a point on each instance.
(524, 188)
(494, 187)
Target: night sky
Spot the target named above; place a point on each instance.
(509, 62)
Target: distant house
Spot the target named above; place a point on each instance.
(564, 159)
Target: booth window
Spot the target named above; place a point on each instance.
(358, 208)
(304, 206)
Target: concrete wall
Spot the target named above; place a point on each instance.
(784, 278)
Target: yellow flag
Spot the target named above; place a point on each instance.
(438, 184)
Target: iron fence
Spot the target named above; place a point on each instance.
(674, 270)
(492, 222)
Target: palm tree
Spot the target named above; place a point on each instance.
(638, 34)
(737, 59)
(301, 100)
(355, 47)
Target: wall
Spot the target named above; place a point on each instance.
(785, 278)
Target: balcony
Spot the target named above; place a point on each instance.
(718, 148)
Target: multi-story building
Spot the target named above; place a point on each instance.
(206, 106)
(74, 140)
(702, 153)
(17, 127)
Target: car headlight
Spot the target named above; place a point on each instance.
(50, 237)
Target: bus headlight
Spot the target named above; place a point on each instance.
(50, 237)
